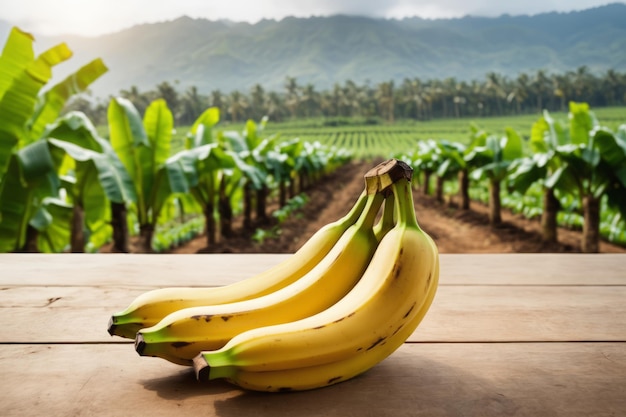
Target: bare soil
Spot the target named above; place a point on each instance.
(454, 230)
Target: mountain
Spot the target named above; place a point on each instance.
(326, 50)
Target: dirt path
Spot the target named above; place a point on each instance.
(454, 230)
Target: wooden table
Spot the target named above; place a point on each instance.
(523, 335)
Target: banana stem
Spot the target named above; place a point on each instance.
(405, 210)
(372, 206)
(387, 222)
(356, 211)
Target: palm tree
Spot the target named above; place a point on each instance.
(258, 101)
(386, 102)
(310, 100)
(293, 98)
(192, 104)
(542, 86)
(494, 87)
(236, 105)
(167, 92)
(139, 100)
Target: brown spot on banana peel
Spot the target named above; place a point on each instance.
(397, 269)
(180, 344)
(333, 380)
(205, 317)
(225, 318)
(376, 343)
(409, 312)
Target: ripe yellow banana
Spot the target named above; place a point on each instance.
(149, 308)
(311, 377)
(183, 334)
(390, 299)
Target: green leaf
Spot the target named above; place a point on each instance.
(18, 101)
(201, 129)
(612, 150)
(159, 123)
(130, 142)
(16, 55)
(36, 161)
(75, 127)
(513, 147)
(580, 123)
(16, 207)
(526, 172)
(538, 133)
(52, 102)
(54, 234)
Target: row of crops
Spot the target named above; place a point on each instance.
(571, 172)
(364, 144)
(65, 187)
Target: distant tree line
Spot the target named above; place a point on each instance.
(413, 98)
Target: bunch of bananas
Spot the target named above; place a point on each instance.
(346, 300)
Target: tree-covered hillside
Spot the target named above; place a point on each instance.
(327, 50)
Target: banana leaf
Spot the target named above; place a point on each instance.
(51, 104)
(115, 183)
(18, 101)
(158, 123)
(51, 221)
(130, 142)
(75, 127)
(16, 55)
(201, 131)
(581, 123)
(612, 150)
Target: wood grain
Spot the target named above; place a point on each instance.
(459, 313)
(554, 379)
(151, 271)
(515, 334)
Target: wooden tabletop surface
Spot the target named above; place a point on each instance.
(507, 334)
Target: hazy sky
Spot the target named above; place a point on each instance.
(94, 17)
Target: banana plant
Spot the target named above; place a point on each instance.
(281, 162)
(591, 165)
(92, 159)
(547, 135)
(452, 164)
(491, 157)
(143, 146)
(36, 171)
(24, 113)
(251, 148)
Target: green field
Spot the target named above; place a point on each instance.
(367, 140)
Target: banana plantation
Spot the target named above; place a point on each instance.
(573, 174)
(63, 187)
(66, 187)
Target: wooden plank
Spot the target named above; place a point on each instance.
(459, 313)
(545, 379)
(148, 271)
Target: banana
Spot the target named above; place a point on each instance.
(183, 334)
(326, 374)
(149, 308)
(360, 330)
